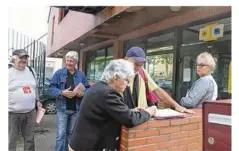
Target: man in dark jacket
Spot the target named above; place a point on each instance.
(103, 111)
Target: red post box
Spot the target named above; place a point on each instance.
(217, 125)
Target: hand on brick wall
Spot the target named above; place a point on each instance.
(184, 110)
(151, 110)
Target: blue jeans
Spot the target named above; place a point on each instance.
(65, 122)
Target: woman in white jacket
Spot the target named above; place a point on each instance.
(205, 88)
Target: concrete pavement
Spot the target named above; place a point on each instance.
(45, 135)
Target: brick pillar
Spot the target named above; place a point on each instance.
(183, 134)
(118, 51)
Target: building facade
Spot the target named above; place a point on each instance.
(170, 36)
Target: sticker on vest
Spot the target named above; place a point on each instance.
(27, 90)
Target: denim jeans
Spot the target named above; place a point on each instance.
(65, 121)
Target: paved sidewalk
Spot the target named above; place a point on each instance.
(45, 135)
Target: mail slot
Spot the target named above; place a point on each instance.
(217, 125)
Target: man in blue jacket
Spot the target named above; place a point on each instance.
(63, 82)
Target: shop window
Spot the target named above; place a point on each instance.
(109, 55)
(99, 63)
(160, 68)
(138, 42)
(96, 62)
(191, 34)
(160, 43)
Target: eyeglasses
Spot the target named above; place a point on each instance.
(127, 80)
(200, 65)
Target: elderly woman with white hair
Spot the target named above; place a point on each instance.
(205, 88)
(103, 111)
(64, 87)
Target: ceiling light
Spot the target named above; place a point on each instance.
(175, 8)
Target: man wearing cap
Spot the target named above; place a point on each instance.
(22, 99)
(135, 93)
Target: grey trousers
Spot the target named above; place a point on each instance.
(24, 122)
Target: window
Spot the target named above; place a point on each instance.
(160, 43)
(160, 68)
(160, 54)
(96, 62)
(109, 55)
(62, 14)
(191, 34)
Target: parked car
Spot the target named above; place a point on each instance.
(165, 84)
(48, 102)
(9, 65)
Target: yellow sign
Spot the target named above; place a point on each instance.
(230, 79)
(207, 33)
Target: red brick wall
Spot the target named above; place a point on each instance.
(165, 135)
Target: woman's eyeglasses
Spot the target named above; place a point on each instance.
(200, 65)
(127, 80)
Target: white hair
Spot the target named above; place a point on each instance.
(122, 68)
(13, 58)
(209, 60)
(72, 55)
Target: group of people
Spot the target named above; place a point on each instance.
(91, 119)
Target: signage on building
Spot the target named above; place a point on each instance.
(211, 32)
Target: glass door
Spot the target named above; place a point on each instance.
(221, 50)
(160, 68)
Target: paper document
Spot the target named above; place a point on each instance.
(167, 113)
(40, 114)
(80, 88)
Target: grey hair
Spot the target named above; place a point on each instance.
(13, 58)
(73, 55)
(209, 59)
(122, 68)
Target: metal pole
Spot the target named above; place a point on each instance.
(9, 42)
(8, 38)
(20, 38)
(36, 56)
(27, 44)
(24, 41)
(17, 41)
(37, 40)
(13, 39)
(31, 53)
(44, 65)
(33, 63)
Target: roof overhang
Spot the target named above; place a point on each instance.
(84, 9)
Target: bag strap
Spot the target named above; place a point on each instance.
(30, 68)
(142, 74)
